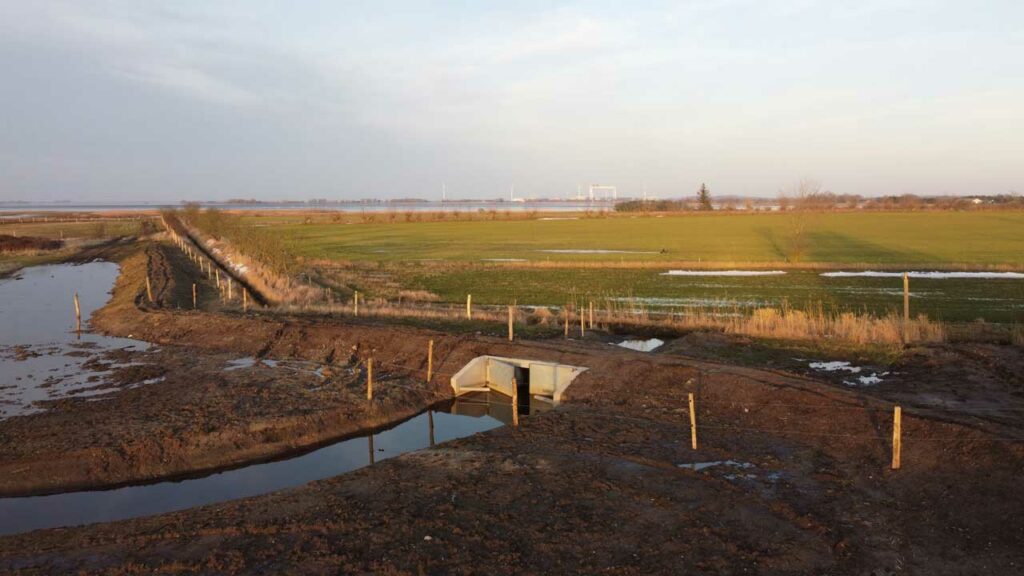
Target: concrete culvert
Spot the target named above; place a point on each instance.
(547, 380)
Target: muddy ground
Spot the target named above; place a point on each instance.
(606, 483)
(10, 243)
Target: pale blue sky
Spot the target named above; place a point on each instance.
(128, 100)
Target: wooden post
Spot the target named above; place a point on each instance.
(193, 295)
(511, 334)
(515, 402)
(229, 288)
(369, 379)
(430, 360)
(371, 448)
(591, 314)
(693, 422)
(355, 303)
(218, 278)
(430, 419)
(245, 299)
(906, 306)
(582, 320)
(78, 314)
(149, 289)
(469, 306)
(566, 322)
(896, 436)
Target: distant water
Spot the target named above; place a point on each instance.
(13, 210)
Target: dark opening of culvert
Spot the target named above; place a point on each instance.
(453, 419)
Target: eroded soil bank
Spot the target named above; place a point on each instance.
(791, 475)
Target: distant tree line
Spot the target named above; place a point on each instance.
(808, 195)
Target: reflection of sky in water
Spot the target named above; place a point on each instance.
(74, 508)
(37, 313)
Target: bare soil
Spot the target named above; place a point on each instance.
(10, 243)
(600, 484)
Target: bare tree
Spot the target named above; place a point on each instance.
(804, 196)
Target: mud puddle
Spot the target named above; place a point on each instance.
(441, 424)
(42, 358)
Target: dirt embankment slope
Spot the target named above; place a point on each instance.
(602, 486)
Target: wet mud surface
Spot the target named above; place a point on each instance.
(791, 475)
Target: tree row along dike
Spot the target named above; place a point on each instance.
(223, 430)
(193, 242)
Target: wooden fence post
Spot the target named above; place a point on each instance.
(515, 402)
(591, 314)
(371, 447)
(906, 306)
(582, 320)
(693, 422)
(78, 314)
(193, 295)
(511, 334)
(566, 322)
(229, 288)
(369, 379)
(469, 306)
(430, 360)
(355, 303)
(897, 431)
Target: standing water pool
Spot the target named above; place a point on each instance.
(42, 357)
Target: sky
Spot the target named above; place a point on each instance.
(115, 101)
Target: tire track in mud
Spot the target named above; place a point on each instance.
(159, 271)
(176, 227)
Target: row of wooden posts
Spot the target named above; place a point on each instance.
(896, 422)
(430, 374)
(897, 411)
(897, 432)
(212, 271)
(587, 320)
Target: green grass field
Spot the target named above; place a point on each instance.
(958, 300)
(450, 259)
(82, 230)
(913, 239)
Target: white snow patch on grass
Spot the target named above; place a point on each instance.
(723, 273)
(933, 275)
(835, 366)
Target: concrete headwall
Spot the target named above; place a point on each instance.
(495, 372)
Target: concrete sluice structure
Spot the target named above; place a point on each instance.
(537, 380)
